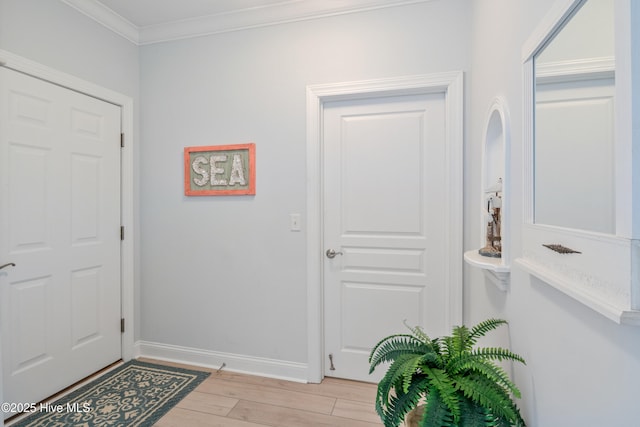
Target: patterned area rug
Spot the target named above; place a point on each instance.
(134, 394)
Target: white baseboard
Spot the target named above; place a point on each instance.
(272, 368)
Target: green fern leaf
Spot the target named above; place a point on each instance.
(448, 349)
(497, 353)
(482, 328)
(395, 346)
(488, 354)
(401, 404)
(401, 371)
(474, 415)
(436, 412)
(488, 394)
(500, 422)
(473, 363)
(418, 332)
(440, 382)
(410, 368)
(461, 340)
(389, 338)
(388, 386)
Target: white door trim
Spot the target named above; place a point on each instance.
(18, 63)
(451, 84)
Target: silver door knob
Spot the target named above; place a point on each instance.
(10, 264)
(332, 253)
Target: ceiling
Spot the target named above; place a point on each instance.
(143, 13)
(153, 21)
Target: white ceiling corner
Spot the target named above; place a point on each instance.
(153, 21)
(107, 17)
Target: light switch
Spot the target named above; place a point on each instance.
(294, 222)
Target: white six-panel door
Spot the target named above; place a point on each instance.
(385, 183)
(59, 223)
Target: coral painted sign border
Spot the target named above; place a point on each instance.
(220, 170)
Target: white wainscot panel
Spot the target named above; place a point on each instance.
(85, 206)
(85, 305)
(87, 124)
(384, 260)
(385, 150)
(29, 309)
(27, 109)
(27, 201)
(371, 308)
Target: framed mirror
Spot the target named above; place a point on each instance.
(573, 146)
(580, 234)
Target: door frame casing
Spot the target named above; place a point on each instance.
(451, 84)
(37, 70)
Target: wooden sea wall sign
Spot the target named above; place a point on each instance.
(220, 170)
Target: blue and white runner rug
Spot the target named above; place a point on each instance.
(134, 394)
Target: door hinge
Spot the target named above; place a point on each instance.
(122, 140)
(122, 232)
(122, 325)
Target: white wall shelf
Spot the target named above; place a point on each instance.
(494, 270)
(576, 289)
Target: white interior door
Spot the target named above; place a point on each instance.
(59, 222)
(385, 178)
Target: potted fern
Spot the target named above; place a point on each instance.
(445, 381)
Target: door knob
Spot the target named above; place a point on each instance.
(10, 264)
(332, 253)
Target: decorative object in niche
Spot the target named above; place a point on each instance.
(581, 224)
(220, 170)
(493, 246)
(493, 259)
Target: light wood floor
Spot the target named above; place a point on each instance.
(238, 400)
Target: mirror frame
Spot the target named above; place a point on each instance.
(604, 271)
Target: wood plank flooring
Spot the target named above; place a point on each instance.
(236, 400)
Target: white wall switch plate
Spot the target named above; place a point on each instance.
(294, 222)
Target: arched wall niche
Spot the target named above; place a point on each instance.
(493, 255)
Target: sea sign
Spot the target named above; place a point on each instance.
(220, 170)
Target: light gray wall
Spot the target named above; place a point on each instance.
(56, 35)
(225, 273)
(583, 369)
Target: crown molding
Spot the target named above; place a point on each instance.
(280, 13)
(107, 17)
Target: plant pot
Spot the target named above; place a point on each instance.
(414, 417)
